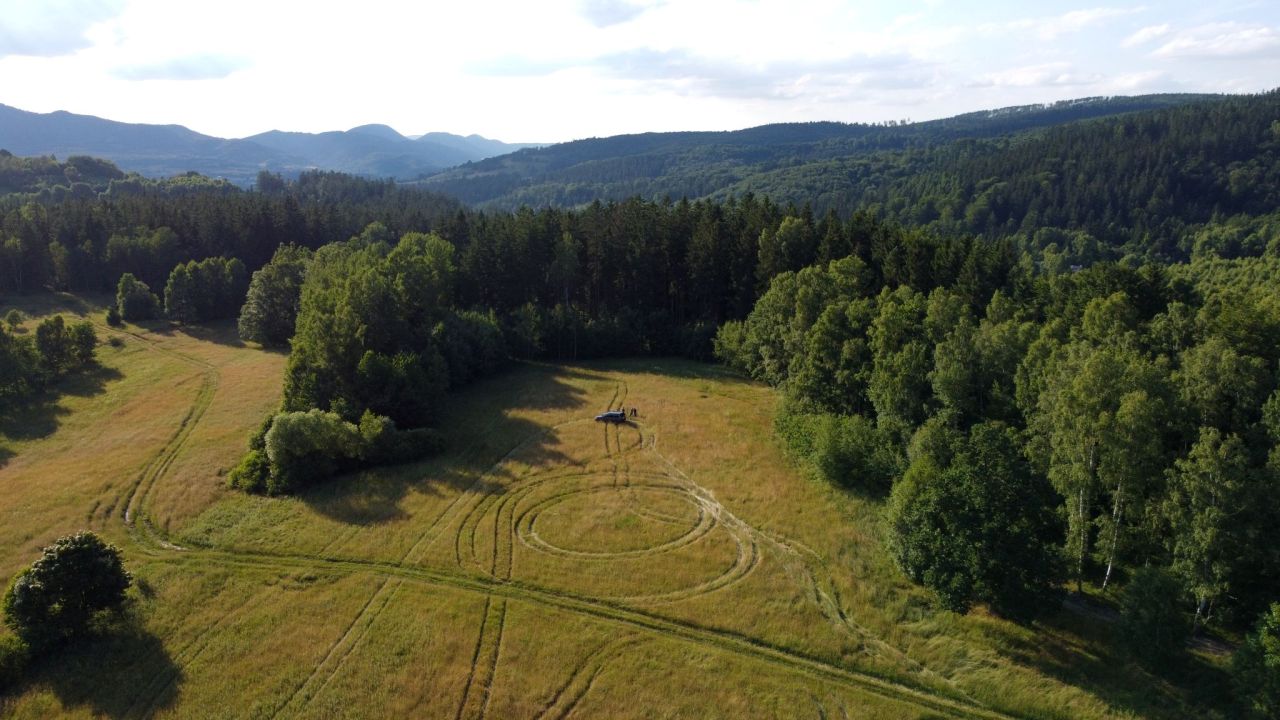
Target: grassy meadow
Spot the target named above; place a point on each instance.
(544, 566)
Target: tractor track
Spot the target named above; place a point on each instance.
(740, 645)
(133, 499)
(493, 662)
(590, 666)
(151, 541)
(339, 650)
(183, 658)
(479, 688)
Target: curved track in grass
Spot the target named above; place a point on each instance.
(513, 514)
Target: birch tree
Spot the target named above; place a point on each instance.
(1206, 492)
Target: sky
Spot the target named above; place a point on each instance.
(556, 70)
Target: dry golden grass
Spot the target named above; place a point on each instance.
(544, 566)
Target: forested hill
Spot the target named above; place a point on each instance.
(699, 164)
(1144, 182)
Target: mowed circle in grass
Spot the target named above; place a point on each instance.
(614, 521)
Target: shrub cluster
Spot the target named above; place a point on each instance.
(296, 449)
(30, 362)
(134, 299)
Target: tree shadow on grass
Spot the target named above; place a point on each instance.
(375, 496)
(122, 671)
(480, 430)
(482, 425)
(39, 415)
(676, 367)
(221, 332)
(1080, 646)
(45, 303)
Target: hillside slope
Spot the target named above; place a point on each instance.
(698, 164)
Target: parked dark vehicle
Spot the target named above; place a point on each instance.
(613, 416)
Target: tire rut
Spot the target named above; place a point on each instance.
(658, 625)
(591, 666)
(151, 541)
(484, 661)
(339, 650)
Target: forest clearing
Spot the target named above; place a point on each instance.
(544, 565)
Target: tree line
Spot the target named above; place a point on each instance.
(1051, 426)
(376, 342)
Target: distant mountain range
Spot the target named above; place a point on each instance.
(716, 164)
(164, 150)
(829, 164)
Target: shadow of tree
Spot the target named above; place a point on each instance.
(39, 415)
(479, 430)
(221, 332)
(1081, 647)
(483, 424)
(121, 671)
(46, 303)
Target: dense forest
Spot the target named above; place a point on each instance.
(1141, 181)
(1075, 388)
(1142, 177)
(1144, 395)
(697, 164)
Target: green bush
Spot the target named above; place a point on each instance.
(383, 444)
(134, 299)
(252, 473)
(56, 598)
(113, 316)
(1255, 668)
(406, 387)
(981, 529)
(849, 451)
(295, 449)
(14, 655)
(259, 439)
(305, 447)
(1152, 623)
(730, 345)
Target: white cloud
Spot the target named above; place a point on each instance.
(1053, 27)
(1146, 35)
(189, 67)
(1057, 74)
(603, 13)
(560, 69)
(1140, 81)
(1078, 20)
(49, 28)
(1223, 40)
